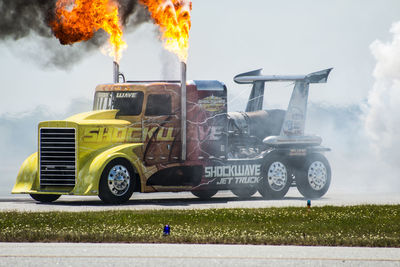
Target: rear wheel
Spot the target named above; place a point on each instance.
(117, 182)
(204, 194)
(245, 192)
(45, 198)
(314, 177)
(276, 177)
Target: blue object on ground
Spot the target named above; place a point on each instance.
(166, 229)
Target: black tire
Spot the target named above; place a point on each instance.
(204, 194)
(274, 170)
(307, 183)
(245, 192)
(119, 191)
(45, 198)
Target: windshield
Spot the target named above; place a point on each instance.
(128, 103)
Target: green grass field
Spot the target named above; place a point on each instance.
(323, 226)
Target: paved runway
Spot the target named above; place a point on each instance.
(88, 254)
(185, 200)
(83, 254)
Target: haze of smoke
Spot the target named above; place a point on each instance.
(365, 138)
(382, 121)
(30, 18)
(170, 66)
(341, 129)
(18, 137)
(355, 167)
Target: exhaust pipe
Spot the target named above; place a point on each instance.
(116, 72)
(183, 109)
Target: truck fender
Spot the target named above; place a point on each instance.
(27, 175)
(90, 173)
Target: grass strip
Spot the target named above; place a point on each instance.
(364, 225)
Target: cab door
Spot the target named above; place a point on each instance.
(161, 129)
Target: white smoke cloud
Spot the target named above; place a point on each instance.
(365, 138)
(382, 122)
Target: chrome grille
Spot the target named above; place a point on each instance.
(57, 157)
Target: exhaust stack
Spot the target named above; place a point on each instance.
(115, 72)
(183, 109)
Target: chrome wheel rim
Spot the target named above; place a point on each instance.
(317, 175)
(277, 176)
(118, 180)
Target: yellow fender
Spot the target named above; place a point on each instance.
(90, 174)
(27, 175)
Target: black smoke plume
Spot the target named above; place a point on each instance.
(30, 19)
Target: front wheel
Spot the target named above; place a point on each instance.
(276, 177)
(45, 198)
(117, 182)
(314, 177)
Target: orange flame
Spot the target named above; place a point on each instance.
(173, 18)
(78, 20)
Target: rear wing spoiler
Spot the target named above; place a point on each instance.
(255, 76)
(294, 122)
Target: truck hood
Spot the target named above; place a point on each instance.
(98, 117)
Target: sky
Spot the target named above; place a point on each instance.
(227, 37)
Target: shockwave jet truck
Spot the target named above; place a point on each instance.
(153, 136)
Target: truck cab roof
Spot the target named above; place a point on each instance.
(200, 85)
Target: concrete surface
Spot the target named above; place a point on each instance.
(88, 254)
(185, 200)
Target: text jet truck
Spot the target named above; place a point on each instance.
(133, 141)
